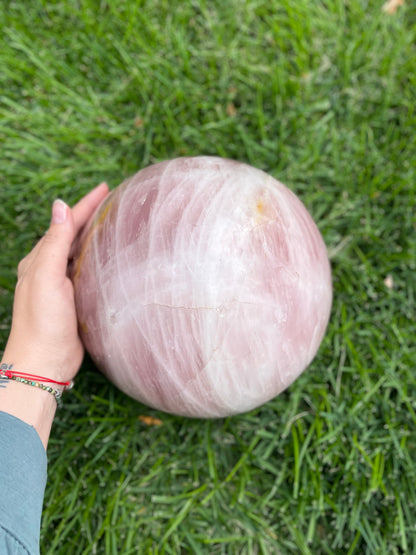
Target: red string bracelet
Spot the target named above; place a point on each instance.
(10, 374)
(6, 370)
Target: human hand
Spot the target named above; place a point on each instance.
(44, 335)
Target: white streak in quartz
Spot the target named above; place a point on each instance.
(213, 287)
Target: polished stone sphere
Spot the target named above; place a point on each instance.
(202, 287)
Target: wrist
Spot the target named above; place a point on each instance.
(34, 405)
(52, 386)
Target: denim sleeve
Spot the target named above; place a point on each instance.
(23, 468)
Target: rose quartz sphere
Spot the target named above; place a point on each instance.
(202, 287)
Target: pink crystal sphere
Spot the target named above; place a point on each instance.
(202, 287)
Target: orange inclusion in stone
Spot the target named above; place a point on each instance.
(260, 207)
(94, 227)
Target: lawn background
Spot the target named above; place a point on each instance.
(322, 95)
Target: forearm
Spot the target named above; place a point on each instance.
(30, 404)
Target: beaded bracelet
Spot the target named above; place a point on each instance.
(55, 392)
(23, 377)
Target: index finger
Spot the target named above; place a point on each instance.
(85, 208)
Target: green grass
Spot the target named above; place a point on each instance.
(323, 96)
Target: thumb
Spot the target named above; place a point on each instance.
(54, 251)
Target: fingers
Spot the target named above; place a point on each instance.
(60, 214)
(85, 208)
(53, 251)
(50, 255)
(65, 225)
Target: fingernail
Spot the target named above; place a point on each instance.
(59, 211)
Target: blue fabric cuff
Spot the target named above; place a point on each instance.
(23, 473)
